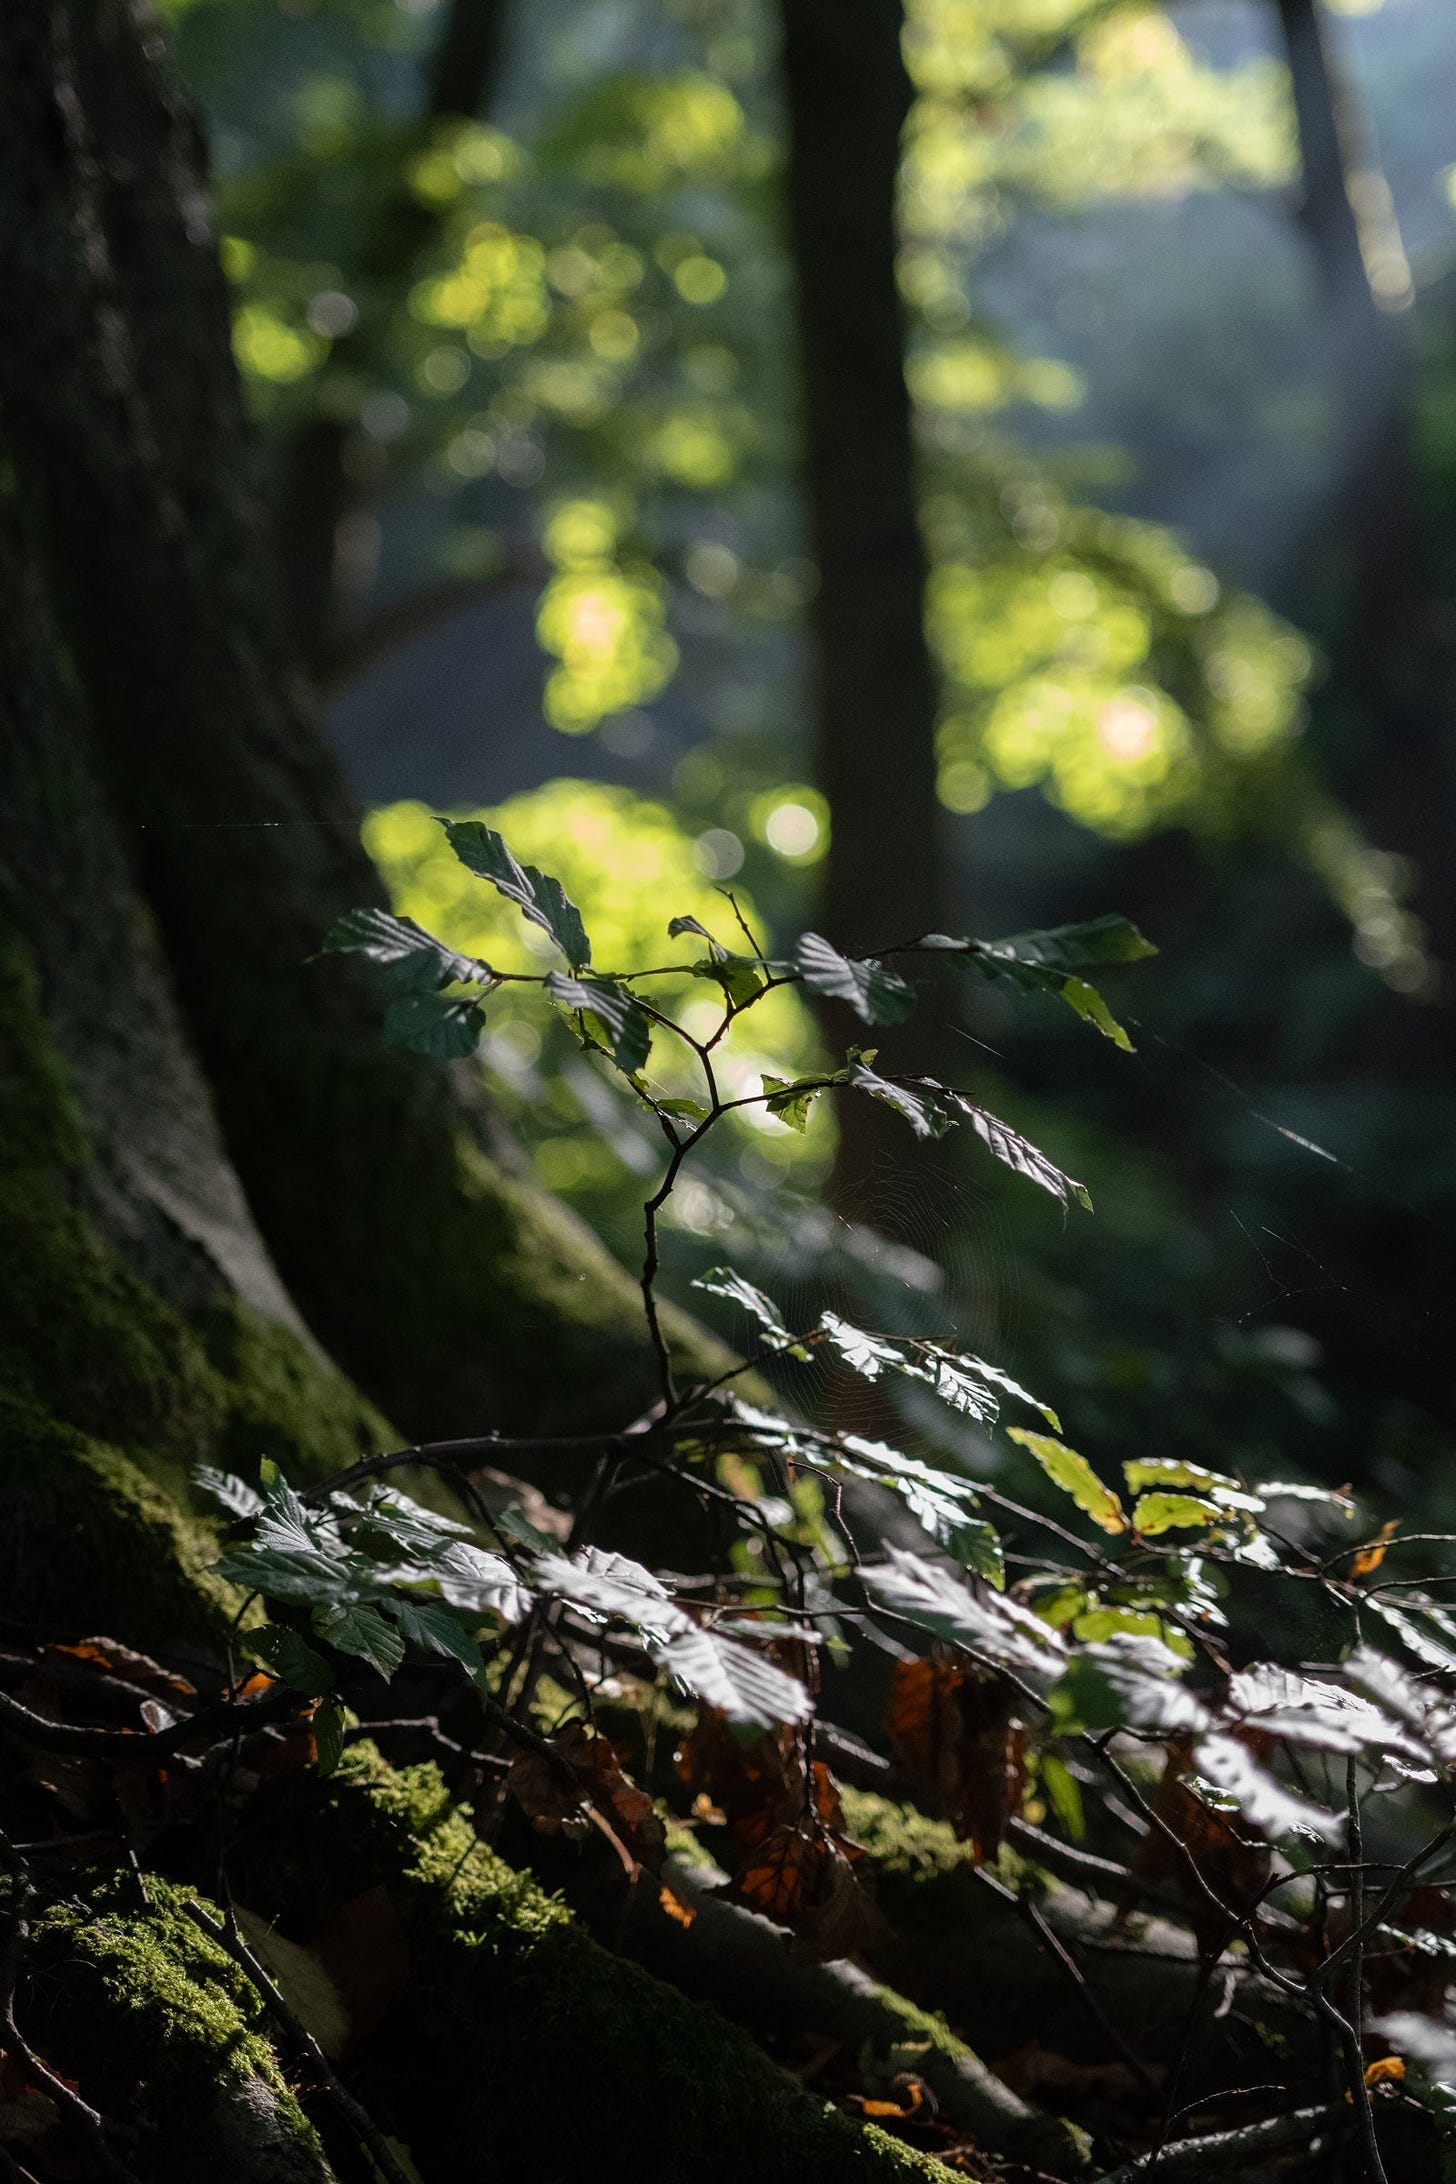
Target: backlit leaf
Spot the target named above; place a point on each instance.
(536, 895)
(727, 1282)
(1006, 1633)
(1066, 1469)
(1264, 1803)
(355, 1627)
(626, 1027)
(1154, 1513)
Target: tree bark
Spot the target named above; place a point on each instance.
(390, 1198)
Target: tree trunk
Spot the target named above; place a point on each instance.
(388, 1194)
(848, 96)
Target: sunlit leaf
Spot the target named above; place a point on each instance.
(739, 1681)
(1075, 1476)
(1127, 1680)
(791, 1098)
(227, 1490)
(1018, 1153)
(727, 1282)
(431, 1627)
(999, 1628)
(1264, 1803)
(1154, 1513)
(878, 995)
(537, 896)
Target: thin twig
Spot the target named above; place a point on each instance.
(358, 2119)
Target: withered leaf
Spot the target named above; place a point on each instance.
(954, 1731)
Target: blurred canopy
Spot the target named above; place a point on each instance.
(515, 314)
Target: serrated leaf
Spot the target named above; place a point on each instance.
(1265, 1804)
(536, 895)
(1075, 1476)
(1154, 1513)
(409, 955)
(227, 1490)
(1018, 1153)
(917, 1100)
(996, 1378)
(292, 1658)
(1163, 1473)
(1129, 1680)
(735, 1288)
(480, 1582)
(328, 1735)
(1085, 1001)
(1109, 939)
(355, 1627)
(867, 1355)
(626, 1027)
(997, 1627)
(431, 1627)
(877, 995)
(734, 1678)
(791, 1098)
(688, 1110)
(431, 1023)
(1310, 1710)
(608, 1584)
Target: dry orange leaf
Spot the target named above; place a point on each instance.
(1390, 2070)
(955, 1734)
(1371, 1557)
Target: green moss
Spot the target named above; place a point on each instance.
(111, 1394)
(511, 1999)
(91, 1543)
(137, 2002)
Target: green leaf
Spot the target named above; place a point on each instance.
(480, 1582)
(409, 955)
(917, 1100)
(227, 1490)
(429, 1023)
(689, 1110)
(626, 1027)
(1075, 1476)
(877, 995)
(1154, 1513)
(677, 926)
(742, 978)
(433, 1629)
(1018, 1153)
(1088, 1003)
(996, 1378)
(354, 1627)
(328, 1735)
(290, 1656)
(735, 1288)
(979, 1547)
(1043, 962)
(537, 896)
(791, 1098)
(1109, 939)
(1063, 1794)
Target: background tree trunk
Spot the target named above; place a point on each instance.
(885, 876)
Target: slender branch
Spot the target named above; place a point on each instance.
(358, 2118)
